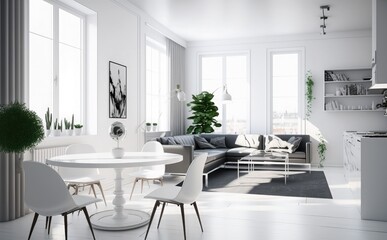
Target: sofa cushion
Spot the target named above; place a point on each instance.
(275, 143)
(219, 142)
(295, 143)
(202, 143)
(213, 154)
(298, 154)
(166, 140)
(185, 140)
(239, 151)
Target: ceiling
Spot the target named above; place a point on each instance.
(199, 20)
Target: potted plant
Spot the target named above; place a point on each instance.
(21, 129)
(78, 129)
(148, 126)
(48, 118)
(309, 94)
(204, 112)
(321, 149)
(67, 125)
(56, 130)
(154, 127)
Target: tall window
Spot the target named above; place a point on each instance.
(157, 85)
(286, 96)
(230, 70)
(56, 60)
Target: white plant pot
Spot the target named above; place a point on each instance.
(148, 128)
(69, 132)
(56, 132)
(118, 152)
(78, 131)
(154, 128)
(48, 132)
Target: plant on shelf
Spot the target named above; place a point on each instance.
(68, 125)
(204, 112)
(321, 149)
(148, 126)
(21, 129)
(309, 94)
(48, 118)
(154, 126)
(78, 129)
(72, 122)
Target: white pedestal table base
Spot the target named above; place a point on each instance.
(133, 219)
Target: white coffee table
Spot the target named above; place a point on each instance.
(265, 158)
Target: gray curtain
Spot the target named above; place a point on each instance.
(12, 87)
(176, 56)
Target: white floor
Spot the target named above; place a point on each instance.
(229, 216)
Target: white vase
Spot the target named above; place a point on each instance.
(48, 132)
(148, 128)
(154, 128)
(78, 131)
(56, 132)
(118, 152)
(69, 132)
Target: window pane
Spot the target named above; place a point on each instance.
(69, 29)
(41, 18)
(70, 77)
(285, 94)
(41, 75)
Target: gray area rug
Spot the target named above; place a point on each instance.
(299, 183)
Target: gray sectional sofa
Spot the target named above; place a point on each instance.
(236, 146)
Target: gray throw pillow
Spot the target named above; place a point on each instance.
(203, 143)
(219, 142)
(295, 143)
(171, 141)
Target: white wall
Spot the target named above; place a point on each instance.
(333, 51)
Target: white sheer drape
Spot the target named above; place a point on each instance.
(12, 87)
(176, 56)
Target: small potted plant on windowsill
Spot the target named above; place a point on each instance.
(56, 128)
(154, 127)
(148, 126)
(67, 125)
(78, 129)
(48, 118)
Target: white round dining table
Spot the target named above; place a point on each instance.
(118, 218)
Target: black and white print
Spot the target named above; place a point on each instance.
(117, 90)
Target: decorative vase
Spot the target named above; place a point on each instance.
(57, 132)
(148, 128)
(69, 132)
(118, 152)
(48, 132)
(78, 131)
(154, 128)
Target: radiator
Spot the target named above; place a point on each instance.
(41, 154)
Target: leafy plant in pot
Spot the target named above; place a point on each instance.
(78, 129)
(204, 112)
(148, 126)
(20, 130)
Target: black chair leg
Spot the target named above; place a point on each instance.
(162, 211)
(197, 213)
(157, 203)
(65, 224)
(183, 218)
(46, 222)
(88, 221)
(33, 224)
(49, 224)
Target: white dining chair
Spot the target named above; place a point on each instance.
(81, 177)
(154, 173)
(186, 194)
(46, 194)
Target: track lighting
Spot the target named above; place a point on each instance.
(323, 18)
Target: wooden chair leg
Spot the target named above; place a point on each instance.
(33, 224)
(183, 218)
(103, 195)
(134, 184)
(65, 224)
(95, 195)
(161, 215)
(88, 221)
(157, 203)
(197, 213)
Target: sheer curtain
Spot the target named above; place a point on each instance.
(176, 56)
(12, 87)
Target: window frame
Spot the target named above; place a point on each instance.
(301, 86)
(224, 56)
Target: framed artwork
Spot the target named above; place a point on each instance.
(117, 90)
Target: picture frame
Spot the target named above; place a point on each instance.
(117, 90)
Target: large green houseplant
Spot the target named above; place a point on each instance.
(204, 112)
(20, 130)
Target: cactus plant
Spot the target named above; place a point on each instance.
(56, 124)
(48, 117)
(72, 122)
(60, 126)
(67, 124)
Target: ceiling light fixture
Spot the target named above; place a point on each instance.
(323, 18)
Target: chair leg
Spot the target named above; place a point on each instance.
(49, 224)
(134, 184)
(183, 218)
(197, 213)
(142, 184)
(65, 224)
(103, 195)
(157, 203)
(46, 222)
(88, 221)
(161, 215)
(33, 224)
(95, 195)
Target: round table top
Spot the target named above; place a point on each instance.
(106, 160)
